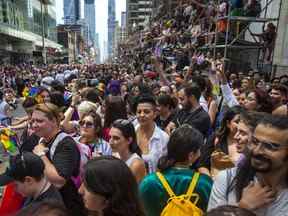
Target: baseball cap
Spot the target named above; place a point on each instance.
(22, 165)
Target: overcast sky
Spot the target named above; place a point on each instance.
(101, 16)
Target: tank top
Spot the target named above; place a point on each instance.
(133, 157)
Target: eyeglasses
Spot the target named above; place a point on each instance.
(272, 147)
(86, 124)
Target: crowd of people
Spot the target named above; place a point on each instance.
(103, 140)
(190, 28)
(166, 130)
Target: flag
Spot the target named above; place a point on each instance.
(33, 91)
(67, 96)
(9, 140)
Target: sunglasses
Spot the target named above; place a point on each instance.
(86, 124)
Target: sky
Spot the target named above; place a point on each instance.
(101, 17)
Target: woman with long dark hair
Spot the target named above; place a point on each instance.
(258, 100)
(115, 108)
(109, 188)
(123, 141)
(220, 150)
(183, 151)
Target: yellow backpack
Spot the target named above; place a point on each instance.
(181, 205)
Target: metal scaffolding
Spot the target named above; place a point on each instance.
(238, 41)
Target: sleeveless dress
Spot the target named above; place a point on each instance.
(133, 157)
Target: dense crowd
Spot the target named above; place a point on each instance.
(167, 130)
(191, 28)
(103, 140)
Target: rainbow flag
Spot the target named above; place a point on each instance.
(9, 140)
(33, 91)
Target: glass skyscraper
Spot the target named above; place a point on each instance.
(90, 20)
(111, 26)
(71, 11)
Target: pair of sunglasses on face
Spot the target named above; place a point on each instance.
(86, 124)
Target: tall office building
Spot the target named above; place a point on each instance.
(90, 20)
(98, 51)
(123, 19)
(111, 26)
(123, 29)
(72, 11)
(138, 13)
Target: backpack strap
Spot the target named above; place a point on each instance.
(60, 136)
(193, 184)
(165, 184)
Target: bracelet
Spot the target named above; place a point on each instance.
(41, 154)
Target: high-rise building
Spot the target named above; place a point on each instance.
(123, 28)
(117, 35)
(138, 13)
(98, 51)
(72, 11)
(111, 26)
(21, 30)
(90, 20)
(123, 19)
(155, 6)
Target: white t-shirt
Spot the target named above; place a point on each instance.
(219, 196)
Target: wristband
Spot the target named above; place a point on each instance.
(41, 154)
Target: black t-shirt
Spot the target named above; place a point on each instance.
(66, 160)
(199, 119)
(52, 194)
(163, 123)
(28, 142)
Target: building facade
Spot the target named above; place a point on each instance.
(90, 20)
(72, 11)
(123, 19)
(111, 26)
(22, 30)
(138, 14)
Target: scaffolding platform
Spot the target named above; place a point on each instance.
(235, 38)
(248, 19)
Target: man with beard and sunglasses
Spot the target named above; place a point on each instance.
(260, 182)
(192, 112)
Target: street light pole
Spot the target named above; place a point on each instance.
(43, 35)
